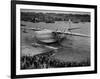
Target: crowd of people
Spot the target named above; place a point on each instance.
(46, 60)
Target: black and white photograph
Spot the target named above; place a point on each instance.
(54, 39)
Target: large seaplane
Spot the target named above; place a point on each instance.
(46, 38)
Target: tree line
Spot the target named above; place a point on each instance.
(52, 17)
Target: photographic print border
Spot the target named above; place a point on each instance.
(13, 38)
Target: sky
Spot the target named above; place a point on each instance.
(53, 11)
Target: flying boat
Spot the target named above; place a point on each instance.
(46, 37)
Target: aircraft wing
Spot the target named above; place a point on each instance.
(34, 29)
(60, 32)
(74, 34)
(78, 34)
(74, 28)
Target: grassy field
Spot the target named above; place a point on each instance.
(77, 48)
